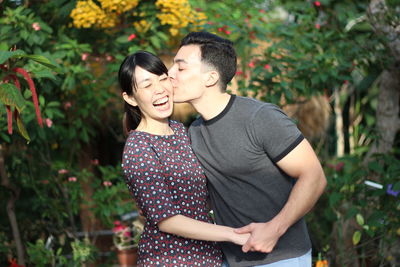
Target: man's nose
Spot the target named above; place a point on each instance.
(171, 73)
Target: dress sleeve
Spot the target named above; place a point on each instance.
(275, 132)
(145, 180)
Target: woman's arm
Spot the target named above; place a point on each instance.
(154, 198)
(193, 229)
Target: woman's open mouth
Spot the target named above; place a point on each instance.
(161, 102)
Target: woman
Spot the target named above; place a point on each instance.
(163, 173)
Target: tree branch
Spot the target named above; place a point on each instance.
(5, 181)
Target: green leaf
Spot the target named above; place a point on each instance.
(356, 237)
(45, 73)
(360, 219)
(3, 46)
(5, 55)
(396, 186)
(42, 60)
(155, 42)
(11, 96)
(5, 137)
(123, 39)
(42, 101)
(22, 129)
(334, 198)
(376, 167)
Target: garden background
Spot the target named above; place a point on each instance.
(334, 66)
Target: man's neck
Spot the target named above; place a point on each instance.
(211, 104)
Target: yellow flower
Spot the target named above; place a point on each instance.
(321, 263)
(174, 31)
(142, 26)
(118, 6)
(178, 14)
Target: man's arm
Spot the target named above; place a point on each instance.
(300, 163)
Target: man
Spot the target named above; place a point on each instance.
(262, 174)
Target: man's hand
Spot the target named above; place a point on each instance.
(263, 236)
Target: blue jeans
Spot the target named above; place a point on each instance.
(302, 261)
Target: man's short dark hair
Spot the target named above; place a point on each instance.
(215, 51)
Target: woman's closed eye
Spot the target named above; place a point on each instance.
(148, 85)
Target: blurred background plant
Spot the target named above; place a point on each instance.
(331, 65)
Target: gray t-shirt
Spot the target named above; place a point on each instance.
(238, 150)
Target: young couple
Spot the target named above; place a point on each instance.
(262, 174)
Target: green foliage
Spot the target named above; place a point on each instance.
(107, 193)
(288, 51)
(348, 198)
(39, 254)
(42, 255)
(83, 251)
(11, 96)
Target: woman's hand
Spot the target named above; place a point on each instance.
(240, 239)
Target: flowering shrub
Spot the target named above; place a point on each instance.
(87, 14)
(178, 14)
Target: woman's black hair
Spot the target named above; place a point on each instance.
(127, 82)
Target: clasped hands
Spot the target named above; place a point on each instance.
(263, 236)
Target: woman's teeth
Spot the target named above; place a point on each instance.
(161, 101)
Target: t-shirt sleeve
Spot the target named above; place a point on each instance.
(275, 132)
(145, 179)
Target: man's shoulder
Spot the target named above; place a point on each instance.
(254, 106)
(197, 122)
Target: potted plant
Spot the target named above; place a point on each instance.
(126, 239)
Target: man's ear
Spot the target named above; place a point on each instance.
(212, 78)
(129, 99)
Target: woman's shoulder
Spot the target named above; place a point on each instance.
(137, 141)
(174, 123)
(177, 126)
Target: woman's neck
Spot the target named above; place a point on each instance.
(155, 127)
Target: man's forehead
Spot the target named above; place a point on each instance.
(188, 53)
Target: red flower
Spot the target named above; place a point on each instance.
(84, 56)
(118, 227)
(251, 64)
(131, 37)
(317, 26)
(36, 26)
(239, 72)
(49, 122)
(62, 171)
(339, 166)
(67, 105)
(72, 179)
(13, 263)
(317, 3)
(228, 32)
(267, 67)
(107, 183)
